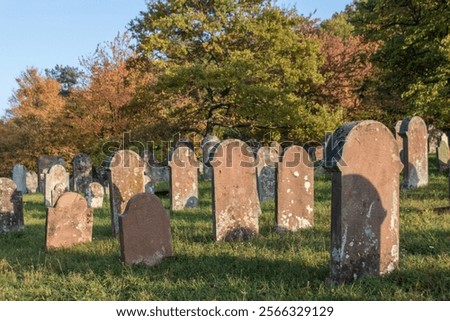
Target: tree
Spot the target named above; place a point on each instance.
(69, 77)
(234, 64)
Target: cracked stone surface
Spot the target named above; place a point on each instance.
(11, 207)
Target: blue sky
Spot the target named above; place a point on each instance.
(43, 33)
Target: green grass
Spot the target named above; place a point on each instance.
(290, 266)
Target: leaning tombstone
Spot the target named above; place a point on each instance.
(207, 144)
(145, 235)
(415, 152)
(126, 180)
(295, 191)
(82, 172)
(56, 175)
(19, 176)
(365, 200)
(442, 153)
(70, 222)
(236, 207)
(94, 195)
(31, 180)
(183, 179)
(11, 207)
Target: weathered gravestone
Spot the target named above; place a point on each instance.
(365, 200)
(265, 170)
(45, 162)
(57, 175)
(94, 195)
(19, 176)
(11, 206)
(295, 190)
(399, 140)
(70, 222)
(183, 179)
(82, 172)
(442, 153)
(207, 144)
(415, 152)
(31, 180)
(236, 207)
(145, 235)
(126, 180)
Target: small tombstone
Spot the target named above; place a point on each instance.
(126, 180)
(434, 135)
(365, 162)
(159, 174)
(45, 162)
(207, 144)
(268, 158)
(82, 172)
(11, 207)
(236, 207)
(69, 222)
(295, 190)
(183, 179)
(56, 175)
(94, 195)
(31, 180)
(442, 154)
(19, 174)
(415, 152)
(145, 235)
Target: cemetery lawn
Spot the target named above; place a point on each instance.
(290, 266)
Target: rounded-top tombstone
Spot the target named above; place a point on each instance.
(11, 208)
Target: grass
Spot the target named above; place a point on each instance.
(291, 266)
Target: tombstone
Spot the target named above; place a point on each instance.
(126, 180)
(82, 172)
(268, 159)
(295, 191)
(57, 191)
(31, 180)
(19, 174)
(11, 207)
(442, 154)
(149, 186)
(364, 159)
(69, 222)
(207, 144)
(434, 135)
(45, 162)
(399, 139)
(159, 174)
(56, 175)
(94, 195)
(415, 155)
(183, 179)
(236, 207)
(145, 235)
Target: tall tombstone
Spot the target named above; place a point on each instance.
(295, 190)
(126, 180)
(70, 222)
(94, 195)
(442, 153)
(265, 170)
(56, 177)
(31, 181)
(207, 144)
(145, 235)
(11, 207)
(236, 207)
(183, 179)
(19, 176)
(415, 152)
(45, 162)
(82, 172)
(365, 162)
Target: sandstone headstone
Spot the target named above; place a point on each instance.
(442, 155)
(94, 195)
(69, 222)
(126, 180)
(145, 235)
(11, 206)
(31, 180)
(207, 144)
(295, 190)
(183, 179)
(45, 162)
(365, 162)
(268, 159)
(19, 173)
(82, 172)
(56, 175)
(415, 155)
(236, 207)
